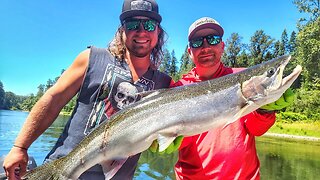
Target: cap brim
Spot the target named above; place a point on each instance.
(209, 26)
(133, 13)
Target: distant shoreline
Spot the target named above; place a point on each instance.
(307, 138)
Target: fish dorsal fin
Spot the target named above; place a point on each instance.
(164, 142)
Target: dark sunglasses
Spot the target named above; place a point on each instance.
(134, 24)
(211, 39)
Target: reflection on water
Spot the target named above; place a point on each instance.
(41, 147)
(288, 159)
(156, 166)
(280, 158)
(284, 159)
(10, 124)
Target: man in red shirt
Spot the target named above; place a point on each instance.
(220, 153)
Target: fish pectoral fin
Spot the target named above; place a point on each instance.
(249, 107)
(164, 142)
(244, 110)
(111, 167)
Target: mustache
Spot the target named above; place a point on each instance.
(206, 51)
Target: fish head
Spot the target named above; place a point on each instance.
(264, 83)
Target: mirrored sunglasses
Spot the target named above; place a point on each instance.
(211, 39)
(134, 24)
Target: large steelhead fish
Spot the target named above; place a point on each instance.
(168, 113)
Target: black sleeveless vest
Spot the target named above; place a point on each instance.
(107, 87)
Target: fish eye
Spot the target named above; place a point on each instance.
(270, 72)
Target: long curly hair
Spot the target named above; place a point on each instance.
(118, 49)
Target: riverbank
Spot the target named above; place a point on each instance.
(298, 130)
(306, 138)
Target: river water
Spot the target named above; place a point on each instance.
(280, 158)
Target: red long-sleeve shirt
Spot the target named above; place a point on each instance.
(222, 153)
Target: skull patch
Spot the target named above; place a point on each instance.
(126, 94)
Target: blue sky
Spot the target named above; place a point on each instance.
(39, 38)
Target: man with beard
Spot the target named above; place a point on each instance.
(106, 80)
(227, 152)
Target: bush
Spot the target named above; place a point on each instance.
(307, 102)
(290, 116)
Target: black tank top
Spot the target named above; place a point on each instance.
(107, 87)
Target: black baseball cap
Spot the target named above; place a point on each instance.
(147, 8)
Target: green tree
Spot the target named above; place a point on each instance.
(173, 67)
(2, 95)
(308, 52)
(70, 105)
(292, 42)
(165, 64)
(280, 47)
(311, 7)
(233, 49)
(49, 84)
(260, 44)
(284, 43)
(29, 102)
(243, 59)
(291, 49)
(268, 55)
(277, 49)
(186, 63)
(12, 101)
(308, 101)
(41, 90)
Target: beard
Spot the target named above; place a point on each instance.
(140, 51)
(207, 59)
